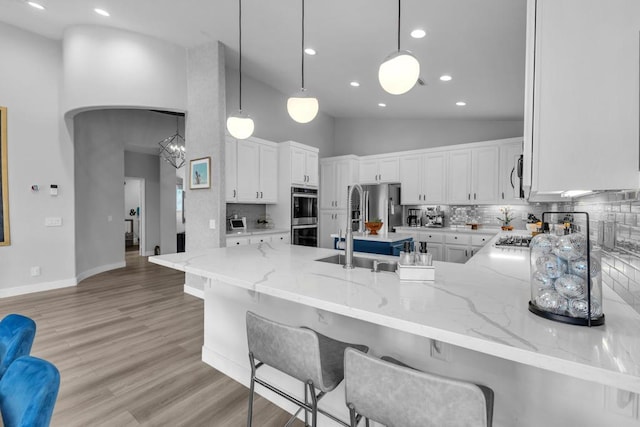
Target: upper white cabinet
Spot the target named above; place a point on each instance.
(336, 175)
(257, 173)
(581, 99)
(473, 175)
(509, 181)
(231, 169)
(376, 170)
(423, 178)
(304, 164)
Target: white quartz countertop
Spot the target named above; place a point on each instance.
(257, 231)
(380, 237)
(481, 305)
(481, 230)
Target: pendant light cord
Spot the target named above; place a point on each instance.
(302, 47)
(240, 54)
(398, 25)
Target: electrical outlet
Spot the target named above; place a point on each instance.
(35, 271)
(53, 221)
(439, 350)
(212, 224)
(621, 402)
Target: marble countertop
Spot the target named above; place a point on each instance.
(481, 305)
(257, 231)
(481, 230)
(381, 237)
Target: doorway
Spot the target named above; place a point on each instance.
(134, 215)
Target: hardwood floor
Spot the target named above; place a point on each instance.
(128, 347)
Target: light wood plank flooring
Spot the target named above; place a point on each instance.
(128, 346)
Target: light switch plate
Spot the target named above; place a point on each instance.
(212, 224)
(53, 221)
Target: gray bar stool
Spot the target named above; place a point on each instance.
(314, 359)
(396, 395)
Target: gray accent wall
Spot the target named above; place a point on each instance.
(268, 108)
(365, 136)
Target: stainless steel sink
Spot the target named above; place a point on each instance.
(383, 265)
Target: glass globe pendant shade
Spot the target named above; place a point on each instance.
(301, 107)
(240, 125)
(399, 72)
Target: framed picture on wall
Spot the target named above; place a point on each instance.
(200, 173)
(4, 183)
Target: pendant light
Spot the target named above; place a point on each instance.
(172, 148)
(301, 106)
(239, 124)
(400, 70)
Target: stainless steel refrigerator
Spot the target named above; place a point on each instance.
(380, 201)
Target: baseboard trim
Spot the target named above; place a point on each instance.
(198, 293)
(97, 270)
(37, 287)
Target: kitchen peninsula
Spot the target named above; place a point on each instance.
(543, 372)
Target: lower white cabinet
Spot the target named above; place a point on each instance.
(457, 253)
(237, 241)
(331, 222)
(251, 239)
(461, 247)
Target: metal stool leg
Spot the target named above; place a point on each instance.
(314, 404)
(352, 415)
(306, 401)
(251, 388)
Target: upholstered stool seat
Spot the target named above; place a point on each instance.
(313, 358)
(396, 395)
(28, 392)
(17, 333)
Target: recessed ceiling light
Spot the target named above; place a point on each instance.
(461, 103)
(445, 78)
(418, 33)
(382, 104)
(354, 84)
(36, 5)
(310, 51)
(101, 12)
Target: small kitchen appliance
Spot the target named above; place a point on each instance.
(413, 219)
(238, 225)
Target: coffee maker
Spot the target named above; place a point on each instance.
(413, 220)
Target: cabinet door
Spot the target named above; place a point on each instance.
(231, 168)
(585, 99)
(485, 176)
(411, 180)
(328, 226)
(389, 170)
(343, 181)
(457, 253)
(298, 171)
(459, 177)
(509, 181)
(435, 249)
(328, 185)
(434, 178)
(248, 172)
(282, 238)
(369, 172)
(312, 168)
(268, 174)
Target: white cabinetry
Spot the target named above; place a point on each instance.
(336, 175)
(459, 247)
(375, 170)
(250, 239)
(257, 173)
(473, 176)
(304, 164)
(231, 169)
(423, 178)
(581, 98)
(509, 181)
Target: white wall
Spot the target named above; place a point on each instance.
(40, 152)
(107, 67)
(377, 136)
(268, 108)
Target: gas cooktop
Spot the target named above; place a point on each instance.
(513, 241)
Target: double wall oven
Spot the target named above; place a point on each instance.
(304, 216)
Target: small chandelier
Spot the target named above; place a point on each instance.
(173, 150)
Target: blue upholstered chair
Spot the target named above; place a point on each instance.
(28, 392)
(16, 338)
(396, 395)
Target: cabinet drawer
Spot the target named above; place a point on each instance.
(430, 237)
(237, 241)
(282, 238)
(480, 240)
(457, 239)
(260, 239)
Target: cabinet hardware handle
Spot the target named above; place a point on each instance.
(511, 177)
(257, 195)
(503, 194)
(465, 252)
(261, 194)
(469, 196)
(474, 196)
(234, 194)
